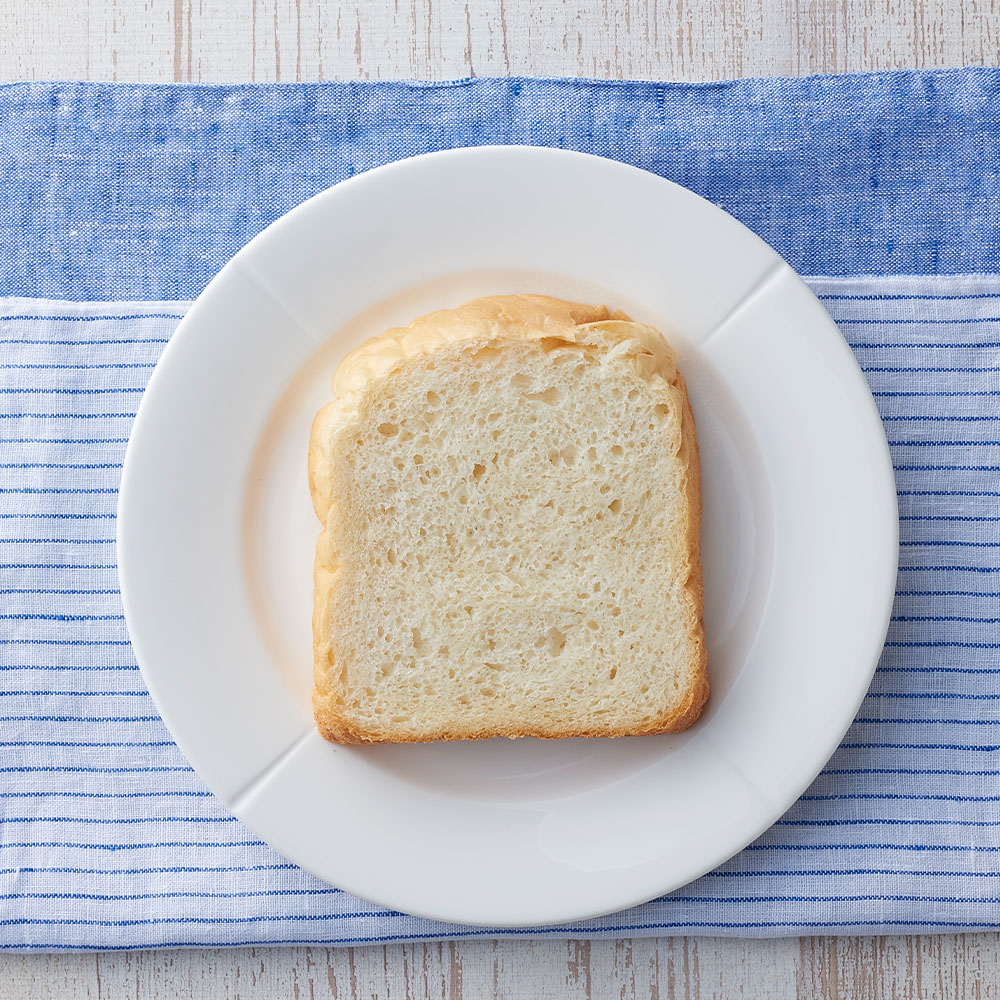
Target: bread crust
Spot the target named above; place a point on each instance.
(512, 318)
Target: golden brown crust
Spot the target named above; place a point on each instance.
(511, 318)
(688, 712)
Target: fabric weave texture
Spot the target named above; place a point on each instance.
(121, 203)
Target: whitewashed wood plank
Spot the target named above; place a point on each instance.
(233, 40)
(945, 966)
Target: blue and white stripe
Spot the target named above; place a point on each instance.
(108, 839)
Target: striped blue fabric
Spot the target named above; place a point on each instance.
(111, 840)
(107, 837)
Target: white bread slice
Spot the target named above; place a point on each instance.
(510, 501)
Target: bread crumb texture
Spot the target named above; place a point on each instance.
(510, 501)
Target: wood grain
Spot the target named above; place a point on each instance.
(282, 40)
(236, 40)
(904, 968)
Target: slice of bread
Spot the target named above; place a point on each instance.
(509, 494)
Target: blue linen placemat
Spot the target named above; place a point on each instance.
(119, 205)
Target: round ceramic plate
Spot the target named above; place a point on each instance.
(216, 535)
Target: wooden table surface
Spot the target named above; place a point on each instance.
(240, 40)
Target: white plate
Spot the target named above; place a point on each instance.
(216, 535)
